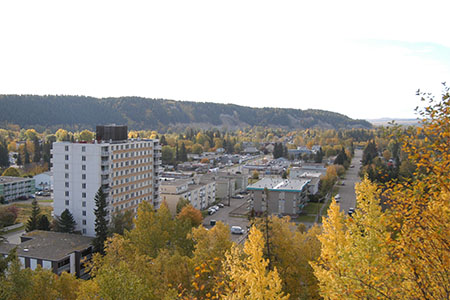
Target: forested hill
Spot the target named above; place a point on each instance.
(142, 113)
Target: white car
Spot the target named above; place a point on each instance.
(337, 198)
(237, 230)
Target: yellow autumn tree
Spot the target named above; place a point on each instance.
(402, 252)
(248, 272)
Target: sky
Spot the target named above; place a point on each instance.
(364, 59)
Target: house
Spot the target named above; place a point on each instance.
(43, 181)
(284, 196)
(56, 251)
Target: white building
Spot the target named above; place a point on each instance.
(127, 170)
(43, 181)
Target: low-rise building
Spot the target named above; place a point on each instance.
(313, 177)
(284, 196)
(56, 251)
(201, 194)
(16, 188)
(43, 181)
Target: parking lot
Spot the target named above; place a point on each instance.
(223, 216)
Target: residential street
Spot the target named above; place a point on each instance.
(347, 192)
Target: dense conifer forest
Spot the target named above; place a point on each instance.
(73, 112)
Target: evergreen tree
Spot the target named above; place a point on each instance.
(19, 160)
(37, 150)
(101, 224)
(163, 141)
(65, 222)
(183, 153)
(27, 156)
(4, 157)
(369, 153)
(43, 223)
(177, 154)
(32, 222)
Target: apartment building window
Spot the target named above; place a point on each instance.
(83, 203)
(67, 202)
(66, 148)
(84, 222)
(83, 195)
(83, 185)
(84, 231)
(66, 184)
(83, 176)
(66, 175)
(66, 157)
(66, 166)
(83, 167)
(67, 193)
(83, 212)
(83, 149)
(83, 158)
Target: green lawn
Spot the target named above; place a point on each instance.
(25, 212)
(306, 218)
(46, 200)
(312, 208)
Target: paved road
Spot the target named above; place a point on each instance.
(347, 192)
(223, 215)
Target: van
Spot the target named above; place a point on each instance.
(237, 230)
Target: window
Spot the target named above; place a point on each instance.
(83, 176)
(83, 212)
(84, 231)
(67, 202)
(67, 193)
(83, 195)
(67, 184)
(83, 185)
(66, 166)
(84, 222)
(67, 157)
(83, 167)
(83, 158)
(66, 175)
(83, 149)
(83, 203)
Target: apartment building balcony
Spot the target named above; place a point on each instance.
(158, 154)
(105, 162)
(104, 172)
(159, 147)
(105, 153)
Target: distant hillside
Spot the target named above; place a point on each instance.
(386, 121)
(74, 112)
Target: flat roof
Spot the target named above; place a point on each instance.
(48, 245)
(9, 179)
(278, 184)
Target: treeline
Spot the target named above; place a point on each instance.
(75, 112)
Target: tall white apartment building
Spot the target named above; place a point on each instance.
(127, 170)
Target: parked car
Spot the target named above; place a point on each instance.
(220, 205)
(351, 211)
(238, 197)
(211, 211)
(216, 207)
(337, 198)
(237, 230)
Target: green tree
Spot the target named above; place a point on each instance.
(101, 224)
(11, 171)
(43, 223)
(4, 157)
(183, 152)
(120, 222)
(33, 220)
(37, 150)
(182, 202)
(65, 222)
(26, 155)
(86, 135)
